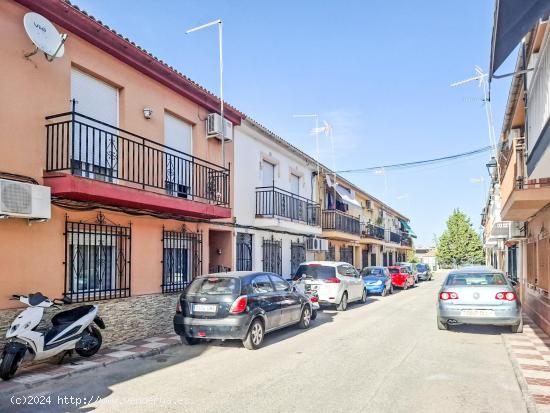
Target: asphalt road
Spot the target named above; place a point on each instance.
(384, 356)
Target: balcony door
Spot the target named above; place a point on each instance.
(95, 147)
(178, 136)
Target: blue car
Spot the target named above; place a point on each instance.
(377, 280)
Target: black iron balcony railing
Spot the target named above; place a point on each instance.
(372, 231)
(406, 241)
(394, 237)
(340, 221)
(276, 202)
(94, 149)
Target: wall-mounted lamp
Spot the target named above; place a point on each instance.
(219, 251)
(147, 112)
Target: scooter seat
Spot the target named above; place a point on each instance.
(70, 316)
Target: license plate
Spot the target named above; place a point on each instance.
(478, 313)
(204, 308)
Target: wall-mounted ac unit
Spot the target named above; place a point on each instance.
(517, 230)
(214, 127)
(23, 200)
(317, 244)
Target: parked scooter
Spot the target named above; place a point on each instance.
(312, 295)
(70, 330)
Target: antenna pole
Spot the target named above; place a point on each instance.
(220, 43)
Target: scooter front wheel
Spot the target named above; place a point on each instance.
(10, 364)
(90, 342)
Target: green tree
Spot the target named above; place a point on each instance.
(459, 244)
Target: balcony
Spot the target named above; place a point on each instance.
(394, 237)
(372, 231)
(526, 199)
(406, 241)
(335, 220)
(272, 202)
(89, 160)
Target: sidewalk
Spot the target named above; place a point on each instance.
(530, 355)
(36, 374)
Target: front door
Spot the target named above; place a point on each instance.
(178, 137)
(95, 146)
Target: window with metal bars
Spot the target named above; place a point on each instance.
(272, 255)
(182, 259)
(297, 255)
(244, 252)
(346, 254)
(97, 263)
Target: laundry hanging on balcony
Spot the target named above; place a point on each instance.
(343, 195)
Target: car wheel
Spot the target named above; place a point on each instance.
(391, 289)
(517, 328)
(442, 326)
(255, 336)
(313, 315)
(364, 296)
(190, 341)
(343, 306)
(406, 285)
(384, 292)
(305, 319)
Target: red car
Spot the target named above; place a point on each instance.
(401, 277)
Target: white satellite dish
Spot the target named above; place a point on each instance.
(44, 35)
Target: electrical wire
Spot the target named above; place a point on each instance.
(406, 165)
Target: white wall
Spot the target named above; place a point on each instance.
(250, 148)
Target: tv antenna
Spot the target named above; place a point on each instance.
(45, 36)
(483, 82)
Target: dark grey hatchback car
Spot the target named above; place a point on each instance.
(242, 305)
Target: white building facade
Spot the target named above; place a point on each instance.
(276, 205)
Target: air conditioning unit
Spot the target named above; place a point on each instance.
(517, 230)
(214, 127)
(317, 244)
(23, 200)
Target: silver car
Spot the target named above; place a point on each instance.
(478, 295)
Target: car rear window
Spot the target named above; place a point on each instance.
(421, 267)
(373, 271)
(317, 272)
(214, 286)
(394, 270)
(476, 279)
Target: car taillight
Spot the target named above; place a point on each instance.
(508, 296)
(178, 306)
(239, 305)
(448, 296)
(332, 280)
(314, 299)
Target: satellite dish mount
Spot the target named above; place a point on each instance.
(45, 36)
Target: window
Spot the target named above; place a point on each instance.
(268, 174)
(261, 284)
(316, 271)
(542, 263)
(330, 255)
(279, 283)
(272, 256)
(346, 254)
(476, 279)
(182, 252)
(97, 265)
(531, 263)
(214, 286)
(295, 184)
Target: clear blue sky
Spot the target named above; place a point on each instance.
(378, 71)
